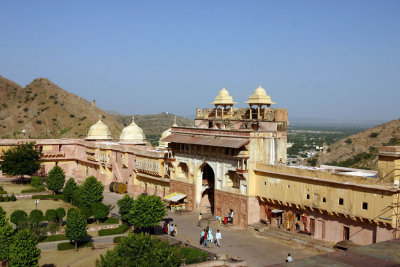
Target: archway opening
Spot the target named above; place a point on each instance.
(208, 182)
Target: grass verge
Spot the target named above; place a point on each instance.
(193, 255)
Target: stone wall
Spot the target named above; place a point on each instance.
(185, 188)
(225, 201)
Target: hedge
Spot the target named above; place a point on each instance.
(114, 231)
(52, 238)
(68, 245)
(48, 196)
(111, 220)
(34, 190)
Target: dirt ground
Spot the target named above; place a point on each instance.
(29, 204)
(85, 257)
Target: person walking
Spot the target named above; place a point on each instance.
(176, 230)
(205, 238)
(202, 237)
(210, 236)
(172, 229)
(289, 258)
(218, 238)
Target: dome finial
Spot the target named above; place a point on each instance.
(99, 117)
(174, 125)
(133, 118)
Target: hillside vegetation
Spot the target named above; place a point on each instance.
(41, 109)
(360, 150)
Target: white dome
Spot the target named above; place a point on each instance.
(165, 134)
(99, 131)
(132, 134)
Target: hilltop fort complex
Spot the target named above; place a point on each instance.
(234, 159)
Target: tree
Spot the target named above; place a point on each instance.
(60, 214)
(23, 250)
(91, 192)
(21, 160)
(35, 217)
(125, 204)
(19, 218)
(100, 211)
(69, 189)
(141, 250)
(51, 215)
(147, 211)
(76, 227)
(6, 236)
(56, 179)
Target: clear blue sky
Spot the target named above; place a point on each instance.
(325, 59)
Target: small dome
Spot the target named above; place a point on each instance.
(99, 131)
(132, 134)
(223, 98)
(165, 134)
(260, 97)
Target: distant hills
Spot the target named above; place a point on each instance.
(360, 150)
(42, 109)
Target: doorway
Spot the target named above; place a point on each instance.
(208, 181)
(346, 233)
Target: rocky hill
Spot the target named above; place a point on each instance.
(360, 150)
(41, 109)
(154, 124)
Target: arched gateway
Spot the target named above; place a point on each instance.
(207, 191)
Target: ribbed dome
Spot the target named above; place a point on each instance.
(223, 98)
(132, 134)
(99, 131)
(260, 97)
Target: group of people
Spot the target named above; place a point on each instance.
(170, 229)
(207, 237)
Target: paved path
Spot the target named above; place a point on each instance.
(256, 250)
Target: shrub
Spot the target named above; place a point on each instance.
(6, 199)
(1, 198)
(18, 217)
(71, 115)
(2, 191)
(36, 216)
(53, 228)
(100, 211)
(68, 245)
(374, 135)
(348, 141)
(60, 214)
(38, 122)
(36, 181)
(12, 197)
(51, 215)
(118, 239)
(115, 231)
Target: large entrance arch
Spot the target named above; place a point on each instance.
(208, 182)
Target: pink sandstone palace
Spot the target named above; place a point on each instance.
(234, 160)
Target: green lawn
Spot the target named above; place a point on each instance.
(29, 204)
(193, 255)
(15, 188)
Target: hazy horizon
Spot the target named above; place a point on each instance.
(334, 60)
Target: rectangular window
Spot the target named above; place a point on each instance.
(324, 199)
(365, 205)
(341, 201)
(308, 196)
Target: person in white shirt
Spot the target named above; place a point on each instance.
(289, 258)
(218, 237)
